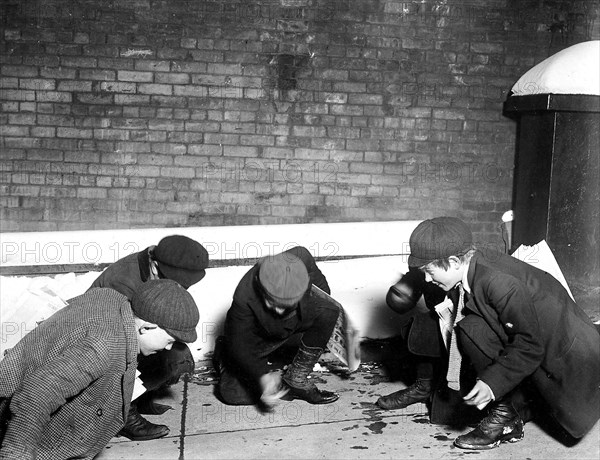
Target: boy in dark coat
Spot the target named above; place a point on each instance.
(67, 385)
(272, 303)
(181, 259)
(520, 328)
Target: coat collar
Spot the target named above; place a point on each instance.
(130, 334)
(468, 280)
(144, 263)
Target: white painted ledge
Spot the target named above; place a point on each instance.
(361, 261)
(222, 243)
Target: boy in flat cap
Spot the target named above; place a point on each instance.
(271, 303)
(520, 330)
(178, 258)
(67, 385)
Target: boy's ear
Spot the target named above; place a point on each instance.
(147, 327)
(455, 261)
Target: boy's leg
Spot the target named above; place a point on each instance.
(166, 367)
(422, 337)
(317, 331)
(160, 369)
(230, 388)
(233, 388)
(503, 423)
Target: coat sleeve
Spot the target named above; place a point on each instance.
(49, 387)
(524, 348)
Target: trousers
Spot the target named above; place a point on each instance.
(237, 389)
(165, 367)
(481, 346)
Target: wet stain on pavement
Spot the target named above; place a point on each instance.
(372, 411)
(377, 427)
(348, 428)
(421, 420)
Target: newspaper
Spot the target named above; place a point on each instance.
(344, 342)
(540, 256)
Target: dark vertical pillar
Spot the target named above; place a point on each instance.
(557, 185)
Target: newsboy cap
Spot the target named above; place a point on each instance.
(181, 259)
(168, 305)
(438, 238)
(284, 278)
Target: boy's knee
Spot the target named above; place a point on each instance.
(232, 391)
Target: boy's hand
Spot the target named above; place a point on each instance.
(272, 389)
(481, 395)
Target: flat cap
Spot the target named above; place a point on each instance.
(181, 259)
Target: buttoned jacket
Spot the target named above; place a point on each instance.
(71, 379)
(546, 336)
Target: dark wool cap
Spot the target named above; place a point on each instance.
(169, 306)
(181, 259)
(438, 238)
(284, 278)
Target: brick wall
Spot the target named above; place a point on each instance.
(144, 113)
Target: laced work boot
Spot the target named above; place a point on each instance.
(296, 377)
(420, 391)
(137, 428)
(502, 424)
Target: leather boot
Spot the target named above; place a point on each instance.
(502, 424)
(296, 377)
(137, 428)
(420, 391)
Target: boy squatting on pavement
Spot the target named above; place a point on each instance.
(178, 258)
(67, 385)
(520, 332)
(272, 303)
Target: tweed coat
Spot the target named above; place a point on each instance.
(545, 334)
(71, 379)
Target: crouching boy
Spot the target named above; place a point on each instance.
(67, 385)
(520, 330)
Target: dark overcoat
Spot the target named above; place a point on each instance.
(71, 379)
(249, 326)
(545, 335)
(126, 274)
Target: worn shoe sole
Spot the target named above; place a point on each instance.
(314, 397)
(464, 445)
(382, 403)
(147, 437)
(291, 397)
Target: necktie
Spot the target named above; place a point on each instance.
(454, 358)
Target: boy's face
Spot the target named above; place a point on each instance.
(279, 310)
(152, 339)
(445, 279)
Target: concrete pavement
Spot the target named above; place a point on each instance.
(351, 428)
